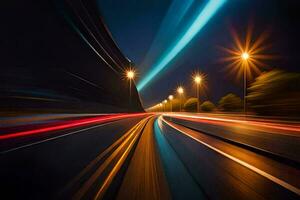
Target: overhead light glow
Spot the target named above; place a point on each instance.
(180, 90)
(201, 20)
(130, 74)
(197, 79)
(245, 56)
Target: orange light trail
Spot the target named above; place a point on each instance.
(222, 121)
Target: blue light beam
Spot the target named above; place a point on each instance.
(204, 16)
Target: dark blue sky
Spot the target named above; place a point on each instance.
(135, 23)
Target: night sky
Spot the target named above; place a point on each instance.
(135, 23)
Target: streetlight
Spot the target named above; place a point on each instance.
(245, 56)
(171, 98)
(164, 103)
(156, 107)
(161, 105)
(130, 74)
(246, 60)
(180, 92)
(198, 80)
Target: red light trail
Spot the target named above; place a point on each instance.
(69, 124)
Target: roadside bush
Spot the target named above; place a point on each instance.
(207, 106)
(230, 102)
(275, 93)
(191, 105)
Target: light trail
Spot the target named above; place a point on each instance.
(217, 120)
(53, 138)
(100, 35)
(106, 152)
(70, 21)
(201, 20)
(116, 159)
(177, 174)
(176, 12)
(145, 177)
(70, 124)
(241, 162)
(84, 80)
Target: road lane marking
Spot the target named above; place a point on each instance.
(251, 167)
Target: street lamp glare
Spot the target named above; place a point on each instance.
(197, 79)
(130, 74)
(165, 101)
(245, 56)
(180, 90)
(171, 97)
(160, 104)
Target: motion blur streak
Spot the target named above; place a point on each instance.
(118, 155)
(145, 178)
(71, 124)
(179, 174)
(116, 168)
(100, 156)
(203, 17)
(69, 20)
(217, 120)
(176, 12)
(243, 163)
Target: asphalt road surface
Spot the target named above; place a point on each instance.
(170, 156)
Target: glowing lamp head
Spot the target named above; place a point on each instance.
(171, 97)
(197, 79)
(160, 104)
(180, 90)
(165, 101)
(130, 74)
(245, 56)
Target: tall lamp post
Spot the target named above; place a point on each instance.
(165, 104)
(171, 98)
(180, 92)
(198, 80)
(245, 56)
(130, 74)
(161, 107)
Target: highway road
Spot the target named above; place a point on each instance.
(153, 156)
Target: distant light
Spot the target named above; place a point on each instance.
(245, 56)
(165, 101)
(171, 97)
(180, 90)
(197, 79)
(203, 17)
(130, 74)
